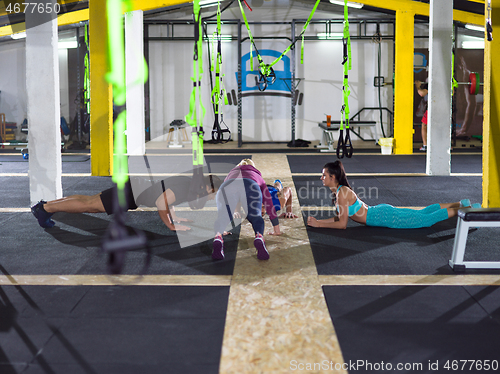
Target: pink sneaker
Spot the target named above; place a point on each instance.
(218, 248)
(260, 245)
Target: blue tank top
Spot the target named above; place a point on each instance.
(274, 196)
(354, 208)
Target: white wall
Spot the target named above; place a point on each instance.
(64, 84)
(13, 81)
(13, 101)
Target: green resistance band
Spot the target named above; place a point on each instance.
(454, 83)
(265, 69)
(196, 108)
(344, 146)
(346, 67)
(219, 89)
(259, 58)
(116, 77)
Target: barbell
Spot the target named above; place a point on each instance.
(473, 83)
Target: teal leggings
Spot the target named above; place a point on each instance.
(385, 215)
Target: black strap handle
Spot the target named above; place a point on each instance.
(340, 145)
(347, 143)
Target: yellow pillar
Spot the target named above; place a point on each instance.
(491, 117)
(403, 81)
(101, 96)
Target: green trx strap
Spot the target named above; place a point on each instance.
(196, 114)
(117, 240)
(344, 146)
(196, 109)
(267, 74)
(218, 92)
(116, 76)
(301, 36)
(252, 45)
(454, 83)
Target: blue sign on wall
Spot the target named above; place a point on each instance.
(283, 77)
(419, 62)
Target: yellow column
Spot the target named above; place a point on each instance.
(491, 109)
(101, 95)
(403, 81)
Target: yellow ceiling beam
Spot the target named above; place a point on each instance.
(83, 15)
(64, 19)
(403, 5)
(466, 17)
(422, 9)
(5, 3)
(155, 4)
(73, 17)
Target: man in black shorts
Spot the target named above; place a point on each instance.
(163, 195)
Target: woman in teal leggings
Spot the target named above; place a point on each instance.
(383, 215)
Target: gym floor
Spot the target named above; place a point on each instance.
(373, 299)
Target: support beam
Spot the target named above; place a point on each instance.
(134, 47)
(62, 20)
(101, 96)
(403, 83)
(440, 75)
(42, 87)
(491, 118)
(422, 9)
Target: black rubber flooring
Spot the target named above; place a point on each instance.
(157, 163)
(111, 329)
(416, 329)
(182, 163)
(146, 329)
(359, 163)
(400, 191)
(362, 250)
(19, 158)
(73, 246)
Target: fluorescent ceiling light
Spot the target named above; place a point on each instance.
(19, 35)
(330, 35)
(349, 3)
(223, 38)
(474, 27)
(473, 44)
(204, 3)
(67, 44)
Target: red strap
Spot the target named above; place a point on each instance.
(248, 6)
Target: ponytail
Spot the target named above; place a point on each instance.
(337, 169)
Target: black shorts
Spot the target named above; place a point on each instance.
(107, 198)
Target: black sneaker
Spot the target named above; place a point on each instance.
(42, 216)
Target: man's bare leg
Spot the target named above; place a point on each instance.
(76, 204)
